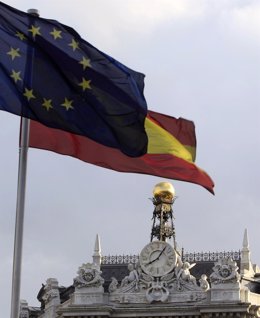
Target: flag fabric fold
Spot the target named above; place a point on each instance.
(48, 73)
(171, 150)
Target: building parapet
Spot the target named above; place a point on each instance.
(187, 257)
(210, 256)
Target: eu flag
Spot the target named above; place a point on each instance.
(50, 74)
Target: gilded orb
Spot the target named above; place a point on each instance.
(164, 188)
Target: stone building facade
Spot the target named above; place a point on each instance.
(160, 281)
(201, 285)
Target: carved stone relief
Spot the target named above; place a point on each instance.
(89, 275)
(139, 286)
(225, 271)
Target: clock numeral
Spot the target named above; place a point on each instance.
(168, 249)
(149, 250)
(155, 245)
(160, 245)
(168, 264)
(161, 271)
(145, 253)
(152, 270)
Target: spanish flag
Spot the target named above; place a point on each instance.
(171, 149)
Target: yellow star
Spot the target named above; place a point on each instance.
(67, 104)
(56, 34)
(85, 62)
(14, 53)
(28, 94)
(35, 30)
(47, 103)
(85, 84)
(16, 76)
(20, 35)
(74, 44)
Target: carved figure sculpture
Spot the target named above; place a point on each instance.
(132, 277)
(204, 283)
(185, 275)
(113, 285)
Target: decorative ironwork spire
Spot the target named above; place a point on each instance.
(163, 199)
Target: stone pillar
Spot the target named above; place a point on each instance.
(24, 309)
(51, 298)
(88, 286)
(225, 292)
(225, 285)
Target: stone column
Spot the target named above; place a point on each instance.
(225, 285)
(24, 309)
(51, 298)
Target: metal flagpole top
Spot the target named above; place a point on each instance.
(34, 12)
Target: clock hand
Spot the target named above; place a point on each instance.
(162, 252)
(157, 256)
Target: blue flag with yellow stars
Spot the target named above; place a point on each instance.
(50, 74)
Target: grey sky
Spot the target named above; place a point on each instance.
(202, 62)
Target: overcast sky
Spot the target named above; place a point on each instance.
(202, 62)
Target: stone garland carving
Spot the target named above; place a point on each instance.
(225, 271)
(89, 275)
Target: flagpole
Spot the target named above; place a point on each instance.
(18, 240)
(20, 203)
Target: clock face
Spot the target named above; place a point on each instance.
(157, 258)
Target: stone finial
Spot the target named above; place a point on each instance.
(97, 252)
(246, 265)
(245, 240)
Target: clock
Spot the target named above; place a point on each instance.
(157, 258)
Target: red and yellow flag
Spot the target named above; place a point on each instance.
(171, 149)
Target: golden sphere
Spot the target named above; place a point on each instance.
(163, 188)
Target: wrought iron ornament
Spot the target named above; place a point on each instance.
(163, 199)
